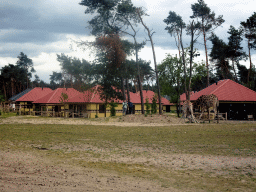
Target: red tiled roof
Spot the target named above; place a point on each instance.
(35, 94)
(225, 90)
(93, 96)
(89, 96)
(55, 96)
(150, 94)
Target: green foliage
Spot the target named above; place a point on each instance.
(56, 79)
(112, 108)
(170, 75)
(204, 15)
(75, 72)
(249, 27)
(63, 98)
(220, 57)
(96, 116)
(235, 51)
(154, 106)
(26, 63)
(175, 24)
(147, 107)
(2, 99)
(13, 80)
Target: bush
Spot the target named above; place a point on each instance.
(147, 107)
(154, 106)
(112, 108)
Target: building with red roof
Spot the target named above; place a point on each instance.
(58, 96)
(56, 102)
(24, 101)
(235, 99)
(34, 94)
(95, 106)
(63, 101)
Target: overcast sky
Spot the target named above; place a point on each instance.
(42, 29)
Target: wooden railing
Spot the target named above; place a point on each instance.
(220, 116)
(56, 114)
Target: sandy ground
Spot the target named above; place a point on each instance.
(26, 171)
(128, 120)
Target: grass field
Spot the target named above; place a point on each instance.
(207, 157)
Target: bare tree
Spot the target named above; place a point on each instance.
(140, 13)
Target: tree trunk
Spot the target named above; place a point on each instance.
(206, 58)
(128, 90)
(206, 54)
(138, 68)
(233, 64)
(178, 101)
(5, 95)
(140, 87)
(191, 58)
(154, 56)
(249, 71)
(184, 65)
(123, 89)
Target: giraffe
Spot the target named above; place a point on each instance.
(207, 101)
(188, 107)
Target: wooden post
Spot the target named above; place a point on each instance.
(217, 115)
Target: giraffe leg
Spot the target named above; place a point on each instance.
(201, 113)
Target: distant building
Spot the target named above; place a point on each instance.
(235, 99)
(69, 102)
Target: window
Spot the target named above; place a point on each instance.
(101, 108)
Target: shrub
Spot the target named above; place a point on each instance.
(147, 107)
(154, 106)
(112, 108)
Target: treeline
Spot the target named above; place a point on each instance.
(15, 78)
(75, 73)
(180, 74)
(115, 25)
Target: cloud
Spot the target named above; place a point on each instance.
(41, 21)
(42, 29)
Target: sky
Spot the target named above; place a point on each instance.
(43, 29)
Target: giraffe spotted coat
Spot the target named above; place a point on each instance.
(207, 101)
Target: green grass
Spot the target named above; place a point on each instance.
(102, 142)
(5, 115)
(228, 140)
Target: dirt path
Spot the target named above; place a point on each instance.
(27, 172)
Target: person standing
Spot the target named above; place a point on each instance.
(124, 107)
(130, 104)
